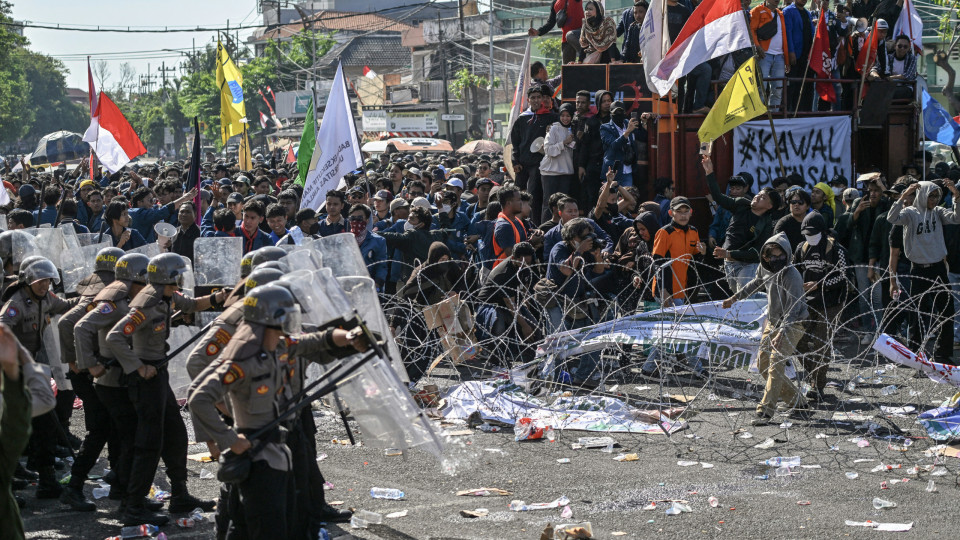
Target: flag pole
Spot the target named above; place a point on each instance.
(809, 58)
(763, 96)
(863, 78)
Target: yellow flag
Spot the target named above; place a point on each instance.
(244, 156)
(739, 102)
(230, 83)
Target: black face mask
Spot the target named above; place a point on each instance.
(613, 208)
(619, 118)
(776, 263)
(315, 228)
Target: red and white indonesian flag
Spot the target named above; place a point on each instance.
(911, 25)
(111, 137)
(716, 28)
(263, 120)
(369, 73)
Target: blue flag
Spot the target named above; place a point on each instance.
(938, 125)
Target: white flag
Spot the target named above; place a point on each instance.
(654, 41)
(520, 94)
(337, 151)
(911, 25)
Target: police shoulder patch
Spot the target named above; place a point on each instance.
(107, 308)
(263, 389)
(12, 311)
(128, 329)
(234, 373)
(212, 348)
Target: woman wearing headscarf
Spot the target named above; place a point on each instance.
(556, 167)
(598, 37)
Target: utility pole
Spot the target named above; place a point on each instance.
(491, 62)
(163, 69)
(313, 61)
(443, 74)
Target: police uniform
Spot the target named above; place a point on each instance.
(160, 428)
(256, 382)
(106, 309)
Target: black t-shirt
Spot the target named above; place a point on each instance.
(676, 17)
(791, 227)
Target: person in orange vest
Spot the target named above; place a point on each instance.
(674, 248)
(508, 231)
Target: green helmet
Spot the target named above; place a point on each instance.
(167, 269)
(272, 305)
(133, 267)
(36, 270)
(107, 259)
(261, 276)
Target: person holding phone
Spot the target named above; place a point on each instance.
(620, 138)
(556, 168)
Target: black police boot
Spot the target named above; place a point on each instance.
(149, 504)
(75, 499)
(110, 477)
(48, 487)
(138, 515)
(185, 503)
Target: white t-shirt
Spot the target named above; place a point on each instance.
(897, 67)
(776, 42)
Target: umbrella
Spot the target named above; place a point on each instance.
(480, 146)
(59, 146)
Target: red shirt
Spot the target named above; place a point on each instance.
(574, 15)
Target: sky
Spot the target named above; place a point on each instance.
(116, 48)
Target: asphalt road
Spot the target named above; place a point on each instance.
(611, 495)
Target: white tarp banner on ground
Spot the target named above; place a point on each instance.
(505, 402)
(815, 148)
(706, 329)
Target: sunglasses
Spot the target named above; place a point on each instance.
(797, 202)
(356, 218)
(903, 46)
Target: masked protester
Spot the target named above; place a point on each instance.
(783, 328)
(373, 247)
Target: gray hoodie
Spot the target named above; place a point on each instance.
(785, 297)
(923, 241)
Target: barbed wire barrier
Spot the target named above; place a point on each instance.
(609, 363)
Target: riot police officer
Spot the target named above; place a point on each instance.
(253, 372)
(139, 342)
(27, 312)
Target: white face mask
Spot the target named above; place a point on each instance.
(445, 208)
(814, 239)
(407, 226)
(837, 191)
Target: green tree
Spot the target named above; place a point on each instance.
(466, 87)
(52, 109)
(15, 112)
(550, 49)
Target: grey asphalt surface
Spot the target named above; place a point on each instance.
(611, 495)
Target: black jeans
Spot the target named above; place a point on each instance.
(561, 183)
(160, 433)
(100, 431)
(308, 481)
(931, 286)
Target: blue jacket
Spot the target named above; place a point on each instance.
(48, 215)
(631, 39)
(136, 239)
(553, 237)
(206, 223)
(793, 18)
(77, 227)
(143, 219)
(260, 239)
(615, 148)
(374, 251)
(483, 229)
(459, 223)
(393, 265)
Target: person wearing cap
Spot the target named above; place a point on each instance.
(925, 246)
(859, 229)
(475, 211)
(235, 205)
(415, 239)
(399, 211)
(526, 138)
(620, 138)
(241, 185)
(455, 184)
(822, 263)
(674, 246)
(381, 204)
(838, 184)
(590, 170)
(750, 227)
(451, 218)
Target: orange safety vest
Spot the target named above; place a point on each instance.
(499, 251)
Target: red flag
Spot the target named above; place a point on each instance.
(291, 157)
(821, 61)
(263, 120)
(92, 100)
(869, 46)
(271, 94)
(369, 73)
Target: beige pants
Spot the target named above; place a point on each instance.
(771, 363)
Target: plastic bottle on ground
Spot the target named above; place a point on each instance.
(101, 492)
(137, 531)
(879, 504)
(385, 493)
(368, 516)
(889, 390)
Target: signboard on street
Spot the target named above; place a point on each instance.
(452, 117)
(413, 121)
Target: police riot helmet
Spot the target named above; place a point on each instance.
(6, 245)
(132, 267)
(261, 276)
(107, 259)
(246, 264)
(272, 305)
(167, 269)
(27, 261)
(42, 268)
(268, 253)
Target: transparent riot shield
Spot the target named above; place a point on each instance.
(342, 255)
(85, 239)
(362, 295)
(76, 268)
(47, 242)
(302, 258)
(50, 355)
(150, 250)
(3, 222)
(23, 245)
(217, 263)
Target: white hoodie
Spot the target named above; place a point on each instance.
(923, 241)
(558, 157)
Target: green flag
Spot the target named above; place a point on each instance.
(307, 142)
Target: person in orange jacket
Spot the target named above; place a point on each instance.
(770, 34)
